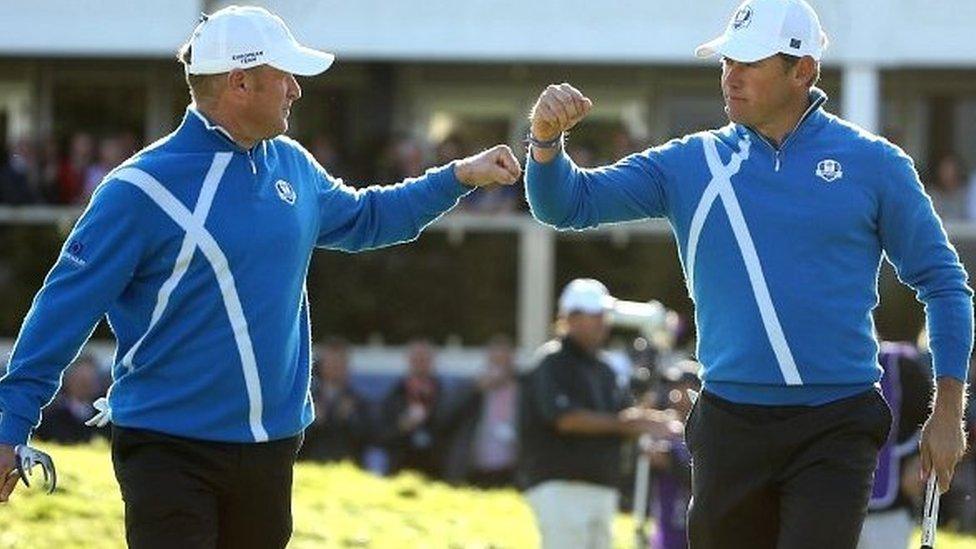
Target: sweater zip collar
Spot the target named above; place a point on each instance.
(226, 137)
(817, 99)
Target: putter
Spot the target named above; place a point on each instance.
(27, 458)
(642, 480)
(930, 513)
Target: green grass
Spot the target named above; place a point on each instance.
(335, 507)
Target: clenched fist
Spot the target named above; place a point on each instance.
(495, 166)
(558, 109)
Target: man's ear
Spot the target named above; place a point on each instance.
(805, 71)
(237, 81)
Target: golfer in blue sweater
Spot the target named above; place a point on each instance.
(197, 249)
(782, 218)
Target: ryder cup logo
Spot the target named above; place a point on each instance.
(829, 170)
(285, 192)
(742, 18)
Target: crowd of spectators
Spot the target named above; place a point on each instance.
(55, 172)
(462, 430)
(65, 172)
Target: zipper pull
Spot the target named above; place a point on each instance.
(254, 167)
(777, 161)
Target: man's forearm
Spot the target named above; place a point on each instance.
(586, 422)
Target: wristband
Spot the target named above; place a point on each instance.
(553, 143)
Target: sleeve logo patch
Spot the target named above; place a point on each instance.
(73, 252)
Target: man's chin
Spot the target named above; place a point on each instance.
(734, 116)
(278, 130)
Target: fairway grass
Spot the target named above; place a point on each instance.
(335, 506)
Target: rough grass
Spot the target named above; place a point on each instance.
(335, 507)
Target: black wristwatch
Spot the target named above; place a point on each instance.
(553, 143)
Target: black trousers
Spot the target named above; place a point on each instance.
(784, 477)
(192, 494)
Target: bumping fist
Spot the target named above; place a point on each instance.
(495, 166)
(558, 109)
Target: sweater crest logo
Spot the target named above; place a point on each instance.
(285, 191)
(829, 170)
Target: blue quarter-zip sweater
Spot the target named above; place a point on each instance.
(197, 250)
(781, 250)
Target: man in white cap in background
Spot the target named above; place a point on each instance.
(781, 219)
(197, 248)
(574, 419)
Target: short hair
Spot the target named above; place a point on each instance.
(202, 86)
(792, 60)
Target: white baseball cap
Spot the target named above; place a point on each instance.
(239, 37)
(762, 28)
(585, 295)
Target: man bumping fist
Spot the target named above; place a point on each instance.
(557, 110)
(494, 166)
(197, 249)
(782, 218)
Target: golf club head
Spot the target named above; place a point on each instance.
(27, 458)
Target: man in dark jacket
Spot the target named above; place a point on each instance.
(341, 426)
(412, 417)
(574, 418)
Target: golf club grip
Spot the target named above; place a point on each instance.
(930, 513)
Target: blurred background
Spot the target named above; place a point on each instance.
(83, 85)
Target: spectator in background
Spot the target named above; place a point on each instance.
(494, 201)
(64, 420)
(671, 461)
(906, 385)
(452, 145)
(484, 445)
(126, 145)
(412, 419)
(574, 418)
(403, 158)
(109, 156)
(48, 164)
(581, 154)
(341, 426)
(971, 196)
(325, 152)
(74, 168)
(14, 185)
(948, 189)
(621, 145)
